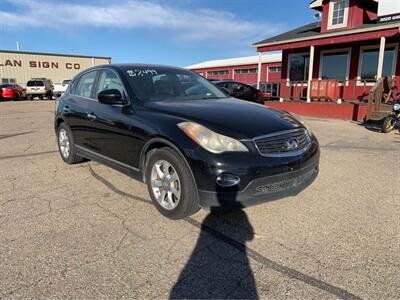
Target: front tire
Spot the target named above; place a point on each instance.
(66, 145)
(170, 184)
(388, 124)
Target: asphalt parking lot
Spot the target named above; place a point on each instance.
(87, 231)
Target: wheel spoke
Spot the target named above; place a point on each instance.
(170, 199)
(173, 177)
(161, 197)
(176, 192)
(166, 165)
(160, 173)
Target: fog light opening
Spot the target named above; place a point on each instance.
(227, 180)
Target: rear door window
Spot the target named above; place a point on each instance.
(84, 86)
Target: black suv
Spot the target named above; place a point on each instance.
(180, 134)
(240, 90)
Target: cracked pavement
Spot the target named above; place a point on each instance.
(87, 231)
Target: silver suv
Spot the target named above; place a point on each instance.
(39, 87)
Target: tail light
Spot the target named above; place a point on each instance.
(259, 93)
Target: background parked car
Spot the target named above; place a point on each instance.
(60, 89)
(240, 90)
(12, 92)
(268, 90)
(39, 87)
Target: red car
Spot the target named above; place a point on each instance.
(12, 92)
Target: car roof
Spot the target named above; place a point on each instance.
(229, 81)
(129, 65)
(122, 66)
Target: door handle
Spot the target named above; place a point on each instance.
(91, 116)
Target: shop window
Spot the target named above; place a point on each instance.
(275, 69)
(245, 71)
(298, 67)
(369, 63)
(8, 81)
(335, 66)
(221, 72)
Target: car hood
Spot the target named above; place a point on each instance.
(229, 116)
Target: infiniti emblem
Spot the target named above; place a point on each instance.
(292, 144)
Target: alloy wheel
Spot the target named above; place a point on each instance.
(165, 184)
(63, 141)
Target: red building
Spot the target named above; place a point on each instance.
(242, 69)
(343, 55)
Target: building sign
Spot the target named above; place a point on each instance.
(391, 18)
(40, 64)
(388, 11)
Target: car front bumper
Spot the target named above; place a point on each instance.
(262, 179)
(262, 190)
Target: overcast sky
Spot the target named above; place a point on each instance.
(166, 32)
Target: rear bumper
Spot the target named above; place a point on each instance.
(264, 189)
(38, 92)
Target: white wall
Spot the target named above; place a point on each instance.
(388, 7)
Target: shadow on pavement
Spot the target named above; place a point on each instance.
(215, 270)
(219, 264)
(374, 126)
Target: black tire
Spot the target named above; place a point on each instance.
(29, 97)
(388, 124)
(189, 200)
(73, 158)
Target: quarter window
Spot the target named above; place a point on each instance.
(84, 86)
(108, 80)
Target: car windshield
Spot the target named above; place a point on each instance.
(163, 83)
(35, 83)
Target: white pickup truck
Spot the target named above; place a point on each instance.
(60, 89)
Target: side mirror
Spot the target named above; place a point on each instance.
(112, 96)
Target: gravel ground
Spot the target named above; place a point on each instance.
(87, 231)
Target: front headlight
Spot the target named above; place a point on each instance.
(396, 107)
(210, 140)
(300, 119)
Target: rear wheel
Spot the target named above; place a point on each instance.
(28, 97)
(388, 124)
(171, 185)
(66, 145)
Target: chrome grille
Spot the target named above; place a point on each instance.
(283, 143)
